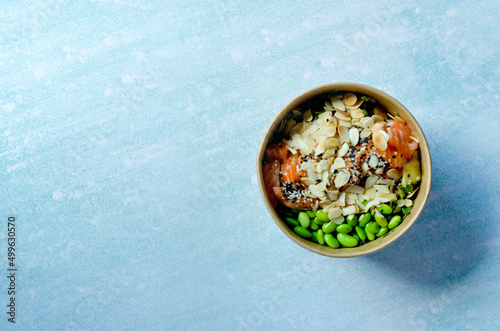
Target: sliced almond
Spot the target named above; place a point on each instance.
(324, 203)
(385, 134)
(337, 104)
(330, 152)
(408, 203)
(379, 171)
(313, 175)
(347, 124)
(394, 174)
(317, 191)
(343, 116)
(377, 127)
(344, 133)
(373, 162)
(308, 181)
(358, 113)
(349, 210)
(365, 133)
(289, 125)
(341, 200)
(308, 116)
(382, 188)
(331, 143)
(322, 165)
(354, 136)
(338, 220)
(343, 150)
(385, 181)
(377, 118)
(414, 139)
(329, 129)
(356, 105)
(379, 141)
(370, 181)
(368, 122)
(349, 99)
(355, 189)
(339, 163)
(334, 213)
(310, 130)
(342, 178)
(380, 112)
(364, 168)
(373, 203)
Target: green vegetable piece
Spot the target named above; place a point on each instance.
(385, 209)
(395, 221)
(380, 219)
(411, 172)
(382, 231)
(322, 216)
(310, 213)
(291, 221)
(370, 235)
(365, 219)
(318, 221)
(304, 219)
(314, 236)
(331, 241)
(303, 232)
(314, 226)
(372, 227)
(321, 237)
(347, 240)
(329, 227)
(296, 211)
(352, 220)
(361, 233)
(344, 228)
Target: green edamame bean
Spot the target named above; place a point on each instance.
(303, 232)
(314, 226)
(347, 240)
(370, 235)
(365, 219)
(372, 227)
(331, 241)
(314, 237)
(288, 214)
(292, 221)
(318, 221)
(385, 208)
(296, 211)
(382, 231)
(355, 235)
(304, 219)
(329, 227)
(321, 237)
(395, 220)
(322, 216)
(344, 228)
(380, 219)
(310, 213)
(352, 220)
(361, 233)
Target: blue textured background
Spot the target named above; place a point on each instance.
(129, 131)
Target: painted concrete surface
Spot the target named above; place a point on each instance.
(129, 131)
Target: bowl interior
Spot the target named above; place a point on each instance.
(392, 106)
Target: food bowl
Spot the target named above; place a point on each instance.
(391, 106)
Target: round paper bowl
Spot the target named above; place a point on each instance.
(392, 106)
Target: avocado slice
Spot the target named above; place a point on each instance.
(411, 171)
